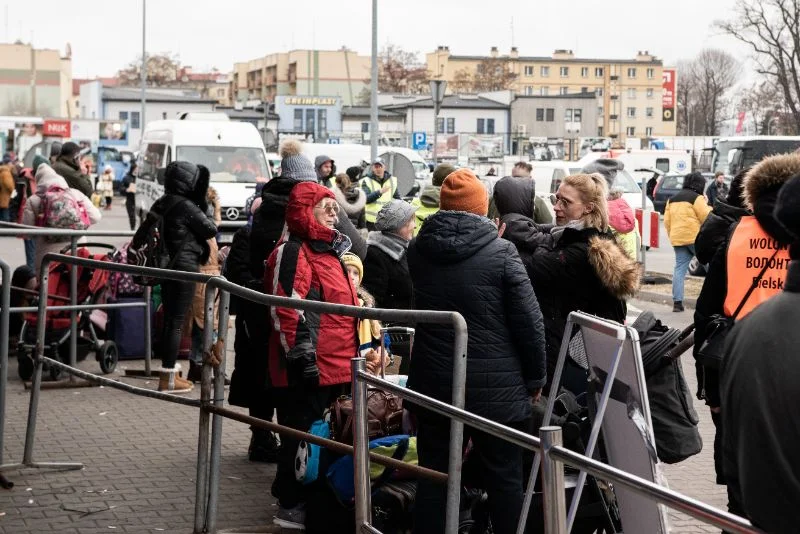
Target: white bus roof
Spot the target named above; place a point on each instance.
(205, 133)
(759, 138)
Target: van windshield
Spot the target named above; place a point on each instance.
(228, 164)
(626, 182)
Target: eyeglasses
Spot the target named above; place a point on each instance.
(556, 200)
(332, 208)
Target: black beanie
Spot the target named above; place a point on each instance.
(353, 173)
(69, 149)
(787, 207)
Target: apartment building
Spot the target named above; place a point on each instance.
(341, 73)
(629, 91)
(35, 82)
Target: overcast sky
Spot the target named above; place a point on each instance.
(106, 34)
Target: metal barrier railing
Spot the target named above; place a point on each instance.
(553, 455)
(208, 460)
(209, 457)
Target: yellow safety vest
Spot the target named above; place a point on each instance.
(374, 185)
(423, 212)
(749, 250)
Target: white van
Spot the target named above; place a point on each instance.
(666, 161)
(549, 174)
(232, 151)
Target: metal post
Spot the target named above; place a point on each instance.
(148, 329)
(143, 73)
(201, 493)
(373, 104)
(555, 506)
(38, 353)
(5, 306)
(360, 446)
(456, 427)
(73, 315)
(216, 423)
(641, 230)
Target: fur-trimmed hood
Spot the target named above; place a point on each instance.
(761, 186)
(615, 269)
(769, 175)
(350, 207)
(366, 297)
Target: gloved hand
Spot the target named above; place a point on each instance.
(310, 374)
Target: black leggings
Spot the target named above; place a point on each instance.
(130, 205)
(108, 201)
(176, 298)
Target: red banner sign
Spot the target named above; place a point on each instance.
(57, 129)
(668, 86)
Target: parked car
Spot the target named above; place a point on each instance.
(667, 187)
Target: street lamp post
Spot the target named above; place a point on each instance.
(373, 125)
(438, 87)
(144, 69)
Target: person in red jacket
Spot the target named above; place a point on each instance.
(309, 353)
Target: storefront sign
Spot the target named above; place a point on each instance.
(55, 128)
(668, 96)
(309, 101)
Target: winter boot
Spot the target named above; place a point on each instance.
(195, 372)
(677, 306)
(169, 381)
(263, 447)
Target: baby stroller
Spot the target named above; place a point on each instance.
(92, 285)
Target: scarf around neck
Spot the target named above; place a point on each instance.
(558, 231)
(393, 245)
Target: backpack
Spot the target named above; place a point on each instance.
(671, 407)
(122, 284)
(152, 250)
(60, 209)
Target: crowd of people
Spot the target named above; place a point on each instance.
(513, 272)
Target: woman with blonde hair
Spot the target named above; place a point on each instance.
(576, 265)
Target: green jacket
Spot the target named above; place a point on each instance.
(541, 215)
(70, 171)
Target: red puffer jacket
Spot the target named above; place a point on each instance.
(305, 265)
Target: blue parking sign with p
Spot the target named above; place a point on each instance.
(420, 140)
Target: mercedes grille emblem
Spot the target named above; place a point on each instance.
(232, 214)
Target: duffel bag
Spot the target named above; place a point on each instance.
(384, 416)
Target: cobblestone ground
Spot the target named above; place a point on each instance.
(139, 456)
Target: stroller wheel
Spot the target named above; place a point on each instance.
(24, 366)
(108, 356)
(55, 372)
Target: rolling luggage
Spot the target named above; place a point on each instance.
(126, 329)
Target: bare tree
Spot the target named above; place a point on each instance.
(400, 71)
(463, 81)
(493, 74)
(762, 104)
(703, 89)
(772, 30)
(162, 69)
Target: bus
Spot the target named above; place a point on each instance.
(732, 154)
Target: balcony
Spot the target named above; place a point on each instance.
(614, 78)
(613, 117)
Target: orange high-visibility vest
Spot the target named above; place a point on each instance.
(750, 249)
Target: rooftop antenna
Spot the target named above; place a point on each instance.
(512, 32)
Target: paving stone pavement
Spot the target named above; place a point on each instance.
(140, 458)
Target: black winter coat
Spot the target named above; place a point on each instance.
(714, 231)
(458, 263)
(583, 271)
(187, 228)
(250, 377)
(388, 280)
(759, 379)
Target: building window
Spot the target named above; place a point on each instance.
(164, 115)
(544, 91)
(563, 91)
(135, 122)
(598, 72)
(631, 113)
(651, 73)
(632, 93)
(648, 131)
(600, 131)
(311, 123)
(584, 72)
(440, 125)
(650, 93)
(577, 115)
(298, 120)
(123, 115)
(364, 127)
(490, 126)
(322, 122)
(631, 131)
(564, 71)
(539, 114)
(568, 115)
(648, 113)
(544, 72)
(480, 126)
(551, 115)
(528, 70)
(631, 72)
(599, 91)
(584, 89)
(528, 90)
(220, 92)
(600, 110)
(451, 125)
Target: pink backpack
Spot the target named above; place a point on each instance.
(59, 209)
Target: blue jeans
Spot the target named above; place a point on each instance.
(5, 215)
(30, 253)
(683, 256)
